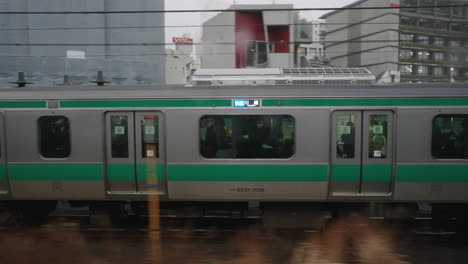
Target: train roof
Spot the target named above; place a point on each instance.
(230, 92)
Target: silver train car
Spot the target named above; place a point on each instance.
(401, 143)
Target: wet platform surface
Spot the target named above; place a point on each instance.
(350, 240)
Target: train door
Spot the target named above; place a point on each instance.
(362, 153)
(3, 175)
(135, 158)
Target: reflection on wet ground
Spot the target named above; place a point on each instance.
(349, 240)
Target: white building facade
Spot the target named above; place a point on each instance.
(179, 61)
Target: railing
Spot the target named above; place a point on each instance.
(51, 70)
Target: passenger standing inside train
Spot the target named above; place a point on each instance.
(261, 139)
(348, 141)
(211, 141)
(377, 140)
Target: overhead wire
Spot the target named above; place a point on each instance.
(225, 10)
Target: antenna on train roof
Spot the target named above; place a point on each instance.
(21, 82)
(100, 79)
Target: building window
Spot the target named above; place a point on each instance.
(409, 3)
(422, 70)
(247, 136)
(439, 41)
(438, 71)
(443, 10)
(406, 37)
(423, 55)
(442, 26)
(406, 54)
(458, 12)
(453, 58)
(406, 69)
(449, 133)
(454, 43)
(54, 136)
(439, 56)
(257, 53)
(454, 72)
(426, 24)
(457, 27)
(423, 39)
(426, 11)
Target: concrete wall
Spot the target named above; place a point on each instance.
(367, 35)
(130, 63)
(214, 55)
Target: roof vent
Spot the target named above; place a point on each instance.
(281, 76)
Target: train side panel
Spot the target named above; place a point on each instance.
(78, 176)
(420, 176)
(303, 177)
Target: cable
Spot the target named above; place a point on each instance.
(194, 43)
(177, 54)
(222, 10)
(185, 26)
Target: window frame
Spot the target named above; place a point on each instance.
(113, 133)
(464, 115)
(245, 159)
(39, 139)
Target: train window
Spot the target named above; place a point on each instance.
(345, 135)
(119, 136)
(150, 136)
(378, 135)
(54, 136)
(247, 136)
(449, 137)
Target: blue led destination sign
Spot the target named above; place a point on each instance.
(246, 103)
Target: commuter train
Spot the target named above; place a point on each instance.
(337, 143)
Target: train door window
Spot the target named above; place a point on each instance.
(345, 134)
(247, 136)
(119, 136)
(378, 135)
(450, 137)
(150, 136)
(54, 136)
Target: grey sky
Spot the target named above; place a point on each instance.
(182, 19)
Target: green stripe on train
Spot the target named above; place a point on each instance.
(370, 173)
(144, 103)
(368, 102)
(55, 172)
(126, 172)
(377, 172)
(281, 173)
(264, 173)
(432, 173)
(346, 173)
(23, 104)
